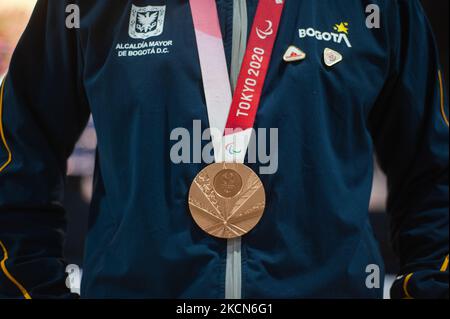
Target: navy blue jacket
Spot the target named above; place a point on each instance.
(386, 97)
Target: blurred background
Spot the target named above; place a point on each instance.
(14, 15)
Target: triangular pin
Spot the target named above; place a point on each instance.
(294, 54)
(331, 57)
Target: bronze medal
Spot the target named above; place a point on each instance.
(227, 200)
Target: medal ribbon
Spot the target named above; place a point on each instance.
(236, 113)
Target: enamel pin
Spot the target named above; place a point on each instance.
(294, 54)
(331, 57)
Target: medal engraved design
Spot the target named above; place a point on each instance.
(227, 200)
(228, 183)
(202, 181)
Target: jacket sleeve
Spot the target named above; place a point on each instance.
(42, 111)
(409, 126)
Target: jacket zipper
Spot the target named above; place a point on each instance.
(233, 273)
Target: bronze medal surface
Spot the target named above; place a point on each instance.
(227, 200)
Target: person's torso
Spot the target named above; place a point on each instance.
(143, 80)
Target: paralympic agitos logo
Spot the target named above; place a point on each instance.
(263, 34)
(231, 149)
(339, 37)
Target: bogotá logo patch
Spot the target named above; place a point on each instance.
(340, 36)
(146, 22)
